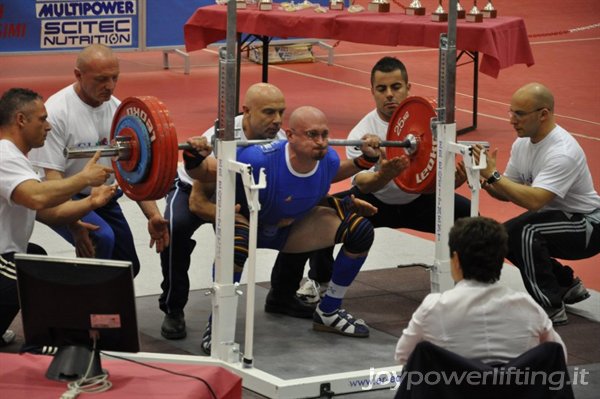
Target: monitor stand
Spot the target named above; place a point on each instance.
(71, 363)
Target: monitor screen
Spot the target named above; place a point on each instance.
(77, 304)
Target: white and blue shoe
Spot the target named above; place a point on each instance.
(340, 322)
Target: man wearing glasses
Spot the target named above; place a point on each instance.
(548, 175)
(296, 213)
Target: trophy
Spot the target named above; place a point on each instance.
(460, 11)
(415, 8)
(336, 4)
(379, 6)
(265, 5)
(474, 15)
(439, 15)
(489, 11)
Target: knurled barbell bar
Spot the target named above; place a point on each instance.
(145, 147)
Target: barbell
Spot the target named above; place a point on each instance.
(145, 149)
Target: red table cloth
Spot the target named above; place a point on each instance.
(501, 41)
(23, 376)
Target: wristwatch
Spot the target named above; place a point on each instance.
(495, 177)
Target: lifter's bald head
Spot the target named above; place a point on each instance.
(308, 133)
(305, 116)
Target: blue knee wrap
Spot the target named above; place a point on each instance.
(356, 233)
(240, 243)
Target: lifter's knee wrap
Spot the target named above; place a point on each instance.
(240, 243)
(340, 205)
(356, 232)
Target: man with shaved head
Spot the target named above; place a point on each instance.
(297, 215)
(81, 116)
(548, 175)
(262, 116)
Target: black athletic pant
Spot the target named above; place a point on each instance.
(536, 238)
(175, 259)
(9, 298)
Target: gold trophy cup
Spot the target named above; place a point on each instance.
(379, 6)
(474, 15)
(460, 11)
(489, 11)
(415, 8)
(439, 15)
(265, 5)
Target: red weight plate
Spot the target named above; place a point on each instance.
(162, 148)
(413, 117)
(134, 149)
(157, 147)
(166, 148)
(137, 107)
(170, 135)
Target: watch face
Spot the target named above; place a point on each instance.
(494, 177)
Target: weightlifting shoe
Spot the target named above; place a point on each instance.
(173, 326)
(288, 305)
(576, 292)
(340, 322)
(7, 338)
(558, 315)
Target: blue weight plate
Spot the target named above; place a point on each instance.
(140, 172)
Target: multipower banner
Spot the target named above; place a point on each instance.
(47, 25)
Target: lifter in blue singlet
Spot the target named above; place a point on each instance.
(299, 174)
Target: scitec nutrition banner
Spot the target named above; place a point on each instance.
(49, 25)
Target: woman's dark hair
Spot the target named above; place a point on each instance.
(481, 244)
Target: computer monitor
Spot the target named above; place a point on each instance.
(77, 304)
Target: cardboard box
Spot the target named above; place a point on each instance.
(283, 54)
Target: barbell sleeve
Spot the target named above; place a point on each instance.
(88, 152)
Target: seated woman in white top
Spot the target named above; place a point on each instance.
(478, 318)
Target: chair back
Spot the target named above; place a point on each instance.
(434, 372)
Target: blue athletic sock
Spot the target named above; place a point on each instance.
(237, 276)
(345, 270)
